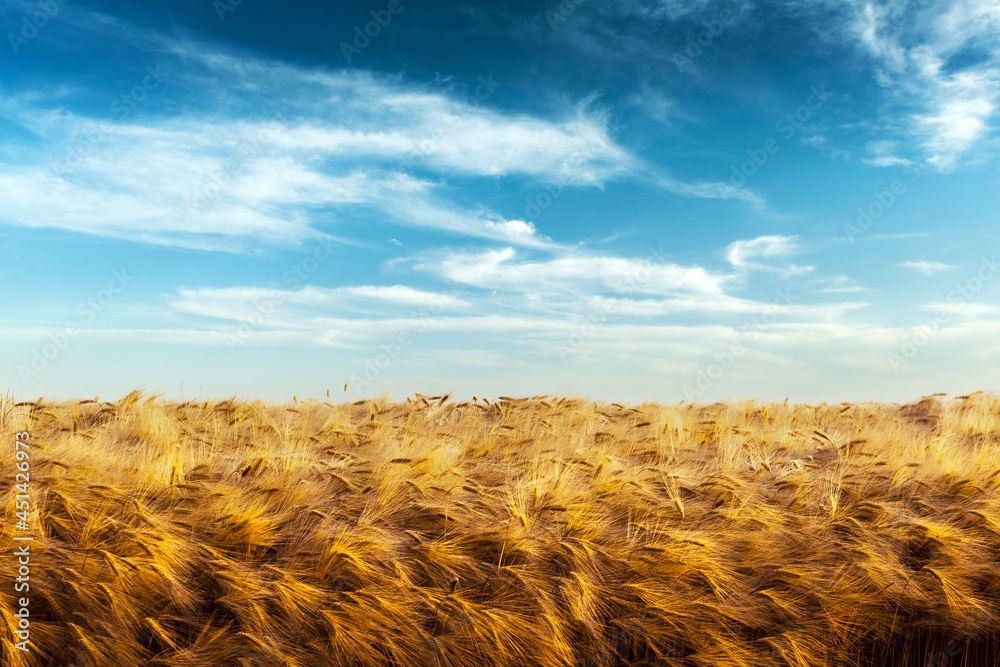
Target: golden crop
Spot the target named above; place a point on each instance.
(522, 532)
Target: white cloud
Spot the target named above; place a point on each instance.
(740, 253)
(425, 209)
(278, 306)
(959, 118)
(720, 305)
(500, 270)
(433, 130)
(842, 285)
(205, 188)
(707, 190)
(887, 161)
(945, 109)
(869, 26)
(925, 267)
(399, 294)
(351, 145)
(963, 309)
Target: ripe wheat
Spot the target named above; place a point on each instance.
(518, 532)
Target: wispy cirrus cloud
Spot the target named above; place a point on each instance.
(569, 272)
(925, 267)
(964, 309)
(938, 65)
(842, 285)
(239, 152)
(741, 254)
(342, 146)
(235, 303)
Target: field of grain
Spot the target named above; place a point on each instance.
(515, 532)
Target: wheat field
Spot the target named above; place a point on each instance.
(515, 532)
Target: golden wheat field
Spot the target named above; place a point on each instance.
(516, 532)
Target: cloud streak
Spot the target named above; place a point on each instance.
(935, 94)
(344, 146)
(925, 267)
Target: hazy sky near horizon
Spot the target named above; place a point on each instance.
(625, 199)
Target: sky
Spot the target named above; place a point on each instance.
(619, 199)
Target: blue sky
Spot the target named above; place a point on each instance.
(621, 199)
